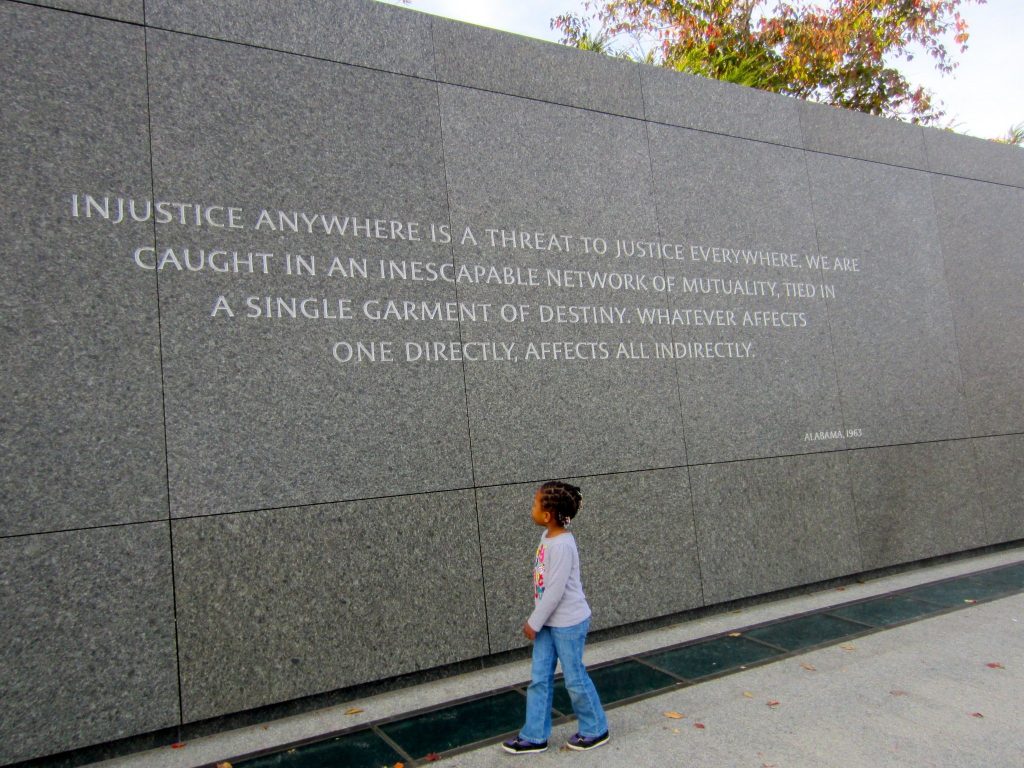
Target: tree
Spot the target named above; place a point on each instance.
(833, 51)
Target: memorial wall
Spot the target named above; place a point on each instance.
(301, 300)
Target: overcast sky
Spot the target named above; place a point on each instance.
(983, 97)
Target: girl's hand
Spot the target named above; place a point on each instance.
(531, 635)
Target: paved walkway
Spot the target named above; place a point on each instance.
(943, 691)
(918, 695)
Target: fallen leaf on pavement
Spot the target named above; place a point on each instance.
(748, 695)
(898, 692)
(735, 634)
(976, 714)
(353, 711)
(774, 703)
(809, 667)
(674, 715)
(699, 725)
(433, 757)
(177, 745)
(225, 764)
(848, 647)
(995, 665)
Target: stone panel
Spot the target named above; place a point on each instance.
(521, 66)
(520, 165)
(958, 155)
(369, 34)
(122, 10)
(917, 501)
(638, 554)
(848, 133)
(731, 200)
(891, 320)
(277, 605)
(774, 523)
(690, 101)
(260, 412)
(1001, 473)
(82, 440)
(981, 228)
(87, 649)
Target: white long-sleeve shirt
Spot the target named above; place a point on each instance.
(557, 589)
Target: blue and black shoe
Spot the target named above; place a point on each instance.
(582, 743)
(518, 746)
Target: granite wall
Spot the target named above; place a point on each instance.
(302, 299)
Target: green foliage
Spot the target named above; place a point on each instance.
(1014, 136)
(754, 68)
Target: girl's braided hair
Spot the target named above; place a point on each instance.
(561, 499)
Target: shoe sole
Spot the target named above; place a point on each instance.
(595, 745)
(524, 751)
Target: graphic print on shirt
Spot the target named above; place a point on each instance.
(538, 572)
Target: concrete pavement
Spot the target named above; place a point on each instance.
(915, 696)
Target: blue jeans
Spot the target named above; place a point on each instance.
(564, 644)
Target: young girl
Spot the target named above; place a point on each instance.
(558, 628)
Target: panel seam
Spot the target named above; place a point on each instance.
(163, 387)
(465, 377)
(672, 336)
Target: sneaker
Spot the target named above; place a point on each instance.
(518, 746)
(581, 743)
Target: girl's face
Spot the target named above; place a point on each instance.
(540, 517)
